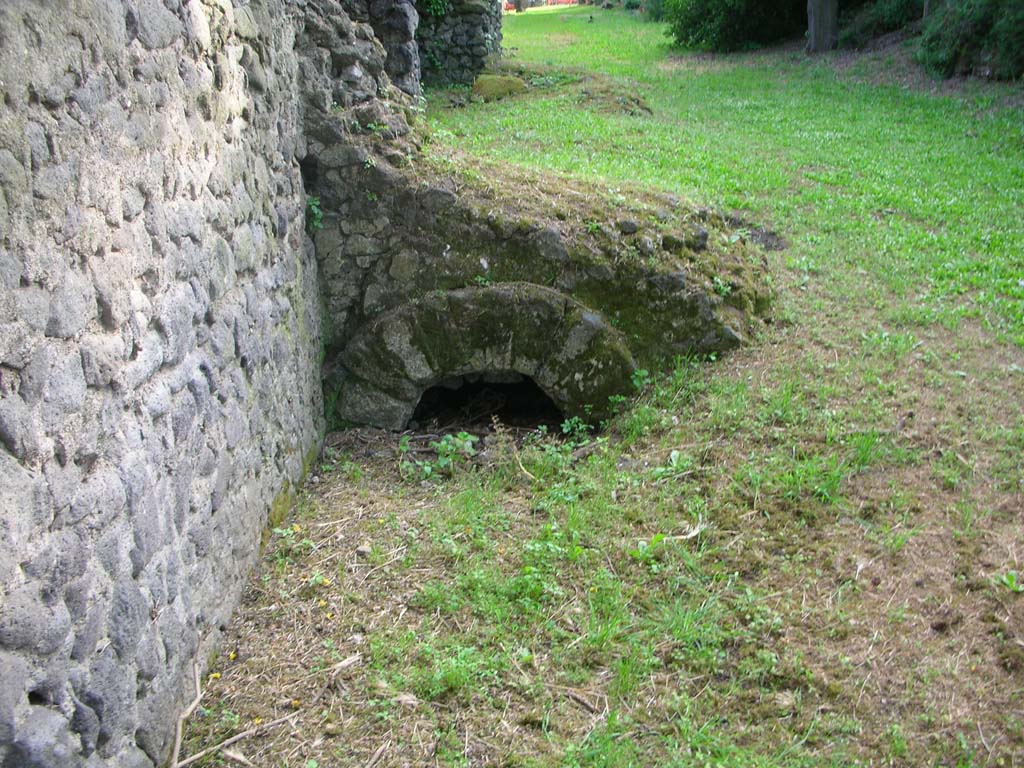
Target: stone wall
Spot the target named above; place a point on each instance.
(394, 23)
(159, 343)
(455, 45)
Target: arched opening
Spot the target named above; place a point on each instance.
(479, 334)
(465, 402)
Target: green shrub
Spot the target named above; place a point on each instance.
(874, 19)
(982, 36)
(435, 8)
(729, 25)
(631, 5)
(654, 10)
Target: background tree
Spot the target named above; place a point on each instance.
(822, 25)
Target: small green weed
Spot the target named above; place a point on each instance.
(576, 429)
(895, 345)
(721, 286)
(1012, 581)
(435, 8)
(315, 213)
(784, 405)
(895, 536)
(290, 546)
(649, 553)
(641, 379)
(897, 742)
(453, 452)
(449, 671)
(678, 465)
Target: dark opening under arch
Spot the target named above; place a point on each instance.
(513, 399)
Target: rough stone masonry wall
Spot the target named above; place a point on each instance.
(455, 45)
(394, 23)
(159, 340)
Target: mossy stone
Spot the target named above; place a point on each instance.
(494, 87)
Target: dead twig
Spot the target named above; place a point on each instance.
(585, 450)
(334, 669)
(234, 739)
(180, 727)
(692, 533)
(394, 558)
(378, 754)
(519, 461)
(582, 702)
(675, 476)
(238, 757)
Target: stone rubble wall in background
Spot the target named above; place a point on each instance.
(159, 344)
(394, 23)
(456, 45)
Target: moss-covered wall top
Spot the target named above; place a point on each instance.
(661, 276)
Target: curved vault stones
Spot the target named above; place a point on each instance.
(570, 351)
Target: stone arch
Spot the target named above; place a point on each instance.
(570, 351)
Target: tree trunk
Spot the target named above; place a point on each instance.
(822, 25)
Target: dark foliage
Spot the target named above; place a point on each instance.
(873, 19)
(984, 37)
(730, 25)
(654, 10)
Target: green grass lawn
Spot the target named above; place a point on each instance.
(924, 192)
(806, 553)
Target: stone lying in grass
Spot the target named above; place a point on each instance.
(494, 87)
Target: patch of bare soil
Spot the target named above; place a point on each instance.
(887, 60)
(699, 64)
